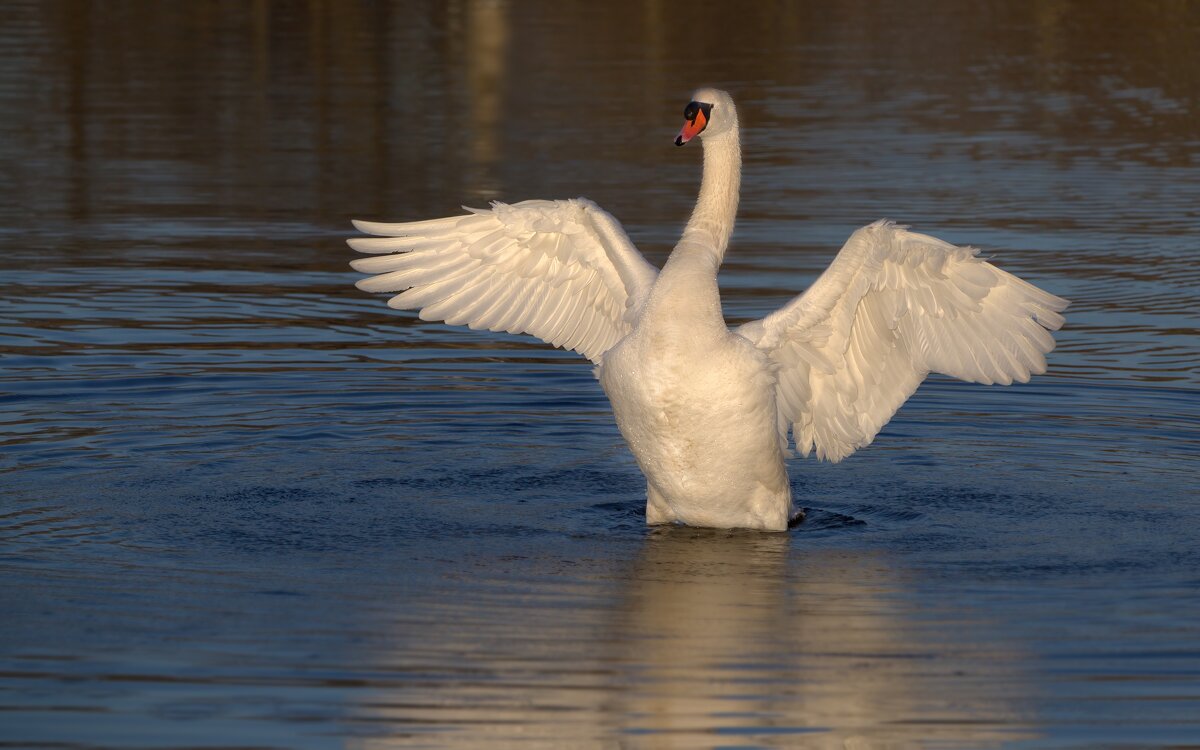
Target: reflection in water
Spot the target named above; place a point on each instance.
(705, 619)
(730, 636)
(487, 77)
(716, 638)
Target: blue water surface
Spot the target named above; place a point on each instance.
(243, 505)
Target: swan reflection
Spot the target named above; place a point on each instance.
(739, 635)
(715, 638)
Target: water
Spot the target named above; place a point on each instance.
(245, 505)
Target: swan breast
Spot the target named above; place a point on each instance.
(699, 417)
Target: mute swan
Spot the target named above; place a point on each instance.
(705, 409)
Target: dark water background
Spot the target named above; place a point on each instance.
(246, 506)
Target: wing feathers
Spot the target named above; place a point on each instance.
(893, 307)
(563, 271)
(408, 228)
(392, 244)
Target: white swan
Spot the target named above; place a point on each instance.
(706, 410)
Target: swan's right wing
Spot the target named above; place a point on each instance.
(564, 271)
(892, 307)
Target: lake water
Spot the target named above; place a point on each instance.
(246, 506)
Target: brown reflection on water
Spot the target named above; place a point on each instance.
(1062, 133)
(485, 54)
(323, 109)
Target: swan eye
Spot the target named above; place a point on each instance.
(696, 116)
(695, 108)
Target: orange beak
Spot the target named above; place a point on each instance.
(691, 128)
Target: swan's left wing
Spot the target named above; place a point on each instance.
(564, 271)
(891, 308)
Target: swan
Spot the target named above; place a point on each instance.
(706, 410)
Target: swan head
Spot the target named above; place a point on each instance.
(709, 113)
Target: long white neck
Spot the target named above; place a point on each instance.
(685, 299)
(711, 225)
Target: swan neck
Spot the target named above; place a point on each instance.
(716, 209)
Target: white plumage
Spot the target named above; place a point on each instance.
(705, 410)
(563, 271)
(893, 307)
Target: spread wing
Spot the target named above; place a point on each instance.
(893, 307)
(564, 271)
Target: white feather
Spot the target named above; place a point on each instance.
(901, 305)
(563, 271)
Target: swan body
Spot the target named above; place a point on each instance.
(707, 410)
